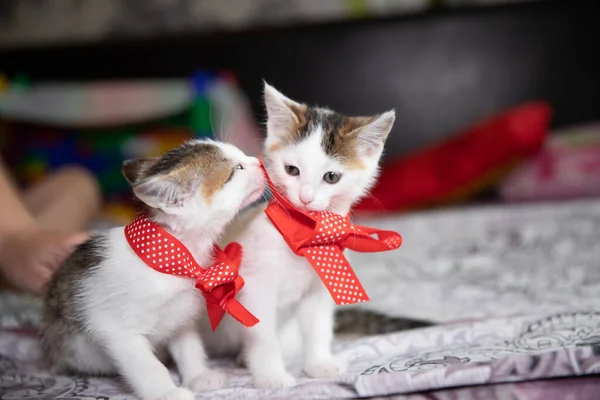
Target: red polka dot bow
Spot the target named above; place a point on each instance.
(219, 283)
(321, 237)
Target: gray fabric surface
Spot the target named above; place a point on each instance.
(487, 262)
(533, 268)
(487, 352)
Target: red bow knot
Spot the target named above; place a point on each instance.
(321, 237)
(219, 283)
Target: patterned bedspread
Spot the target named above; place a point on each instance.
(524, 280)
(467, 354)
(487, 262)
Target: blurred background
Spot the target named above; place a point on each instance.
(491, 172)
(497, 104)
(94, 82)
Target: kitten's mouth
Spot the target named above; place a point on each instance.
(308, 208)
(252, 197)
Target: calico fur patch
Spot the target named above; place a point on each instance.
(62, 315)
(194, 162)
(339, 132)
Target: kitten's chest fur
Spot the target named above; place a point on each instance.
(297, 277)
(269, 264)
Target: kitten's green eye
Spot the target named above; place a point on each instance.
(332, 177)
(292, 170)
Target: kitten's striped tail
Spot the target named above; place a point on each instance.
(357, 321)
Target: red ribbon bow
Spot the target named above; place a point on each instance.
(321, 237)
(219, 283)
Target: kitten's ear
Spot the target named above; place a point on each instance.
(157, 191)
(135, 169)
(160, 192)
(282, 113)
(372, 135)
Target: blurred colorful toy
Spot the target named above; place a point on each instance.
(46, 126)
(232, 117)
(94, 105)
(3, 84)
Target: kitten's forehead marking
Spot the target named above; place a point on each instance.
(339, 138)
(202, 161)
(337, 142)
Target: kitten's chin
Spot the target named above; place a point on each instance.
(307, 208)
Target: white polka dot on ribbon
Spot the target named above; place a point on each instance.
(167, 254)
(164, 253)
(337, 274)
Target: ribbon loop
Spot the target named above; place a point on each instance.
(217, 275)
(220, 283)
(336, 274)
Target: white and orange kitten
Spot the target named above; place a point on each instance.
(319, 160)
(108, 312)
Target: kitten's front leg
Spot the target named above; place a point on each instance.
(137, 363)
(315, 315)
(189, 355)
(261, 345)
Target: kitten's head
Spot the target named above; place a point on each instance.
(321, 160)
(200, 183)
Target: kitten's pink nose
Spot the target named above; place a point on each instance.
(306, 199)
(307, 194)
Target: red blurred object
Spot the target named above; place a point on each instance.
(461, 166)
(229, 76)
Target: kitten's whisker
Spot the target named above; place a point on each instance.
(351, 216)
(235, 119)
(221, 130)
(228, 127)
(239, 219)
(281, 204)
(210, 119)
(264, 195)
(376, 200)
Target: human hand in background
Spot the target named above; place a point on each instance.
(42, 226)
(29, 257)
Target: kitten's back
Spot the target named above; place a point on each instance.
(62, 317)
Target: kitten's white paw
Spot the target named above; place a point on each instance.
(177, 394)
(274, 380)
(208, 380)
(325, 369)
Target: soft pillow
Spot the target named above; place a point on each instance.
(461, 166)
(567, 167)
